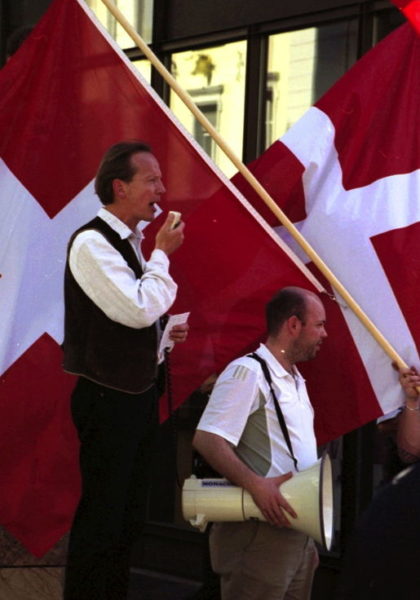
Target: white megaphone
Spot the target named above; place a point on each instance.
(309, 492)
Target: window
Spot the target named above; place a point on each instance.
(215, 78)
(302, 65)
(210, 111)
(145, 68)
(138, 12)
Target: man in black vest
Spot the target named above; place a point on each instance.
(114, 300)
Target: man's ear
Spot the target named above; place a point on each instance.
(294, 325)
(118, 188)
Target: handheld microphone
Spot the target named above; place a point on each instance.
(177, 218)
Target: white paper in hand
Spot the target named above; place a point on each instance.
(165, 342)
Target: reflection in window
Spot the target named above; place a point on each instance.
(303, 65)
(139, 13)
(215, 78)
(205, 140)
(145, 69)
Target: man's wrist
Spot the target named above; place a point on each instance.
(160, 254)
(161, 248)
(412, 404)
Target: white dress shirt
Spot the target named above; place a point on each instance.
(110, 283)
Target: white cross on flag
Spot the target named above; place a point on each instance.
(353, 191)
(66, 96)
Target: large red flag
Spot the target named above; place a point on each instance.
(65, 97)
(354, 193)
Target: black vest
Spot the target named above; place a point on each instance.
(98, 348)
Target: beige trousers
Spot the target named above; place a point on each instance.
(257, 561)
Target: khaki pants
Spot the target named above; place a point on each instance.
(257, 561)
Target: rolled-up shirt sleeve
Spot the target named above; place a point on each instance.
(111, 284)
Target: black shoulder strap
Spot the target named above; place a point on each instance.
(279, 412)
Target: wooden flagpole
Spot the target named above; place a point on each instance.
(255, 184)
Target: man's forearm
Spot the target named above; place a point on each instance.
(265, 492)
(110, 283)
(221, 456)
(408, 435)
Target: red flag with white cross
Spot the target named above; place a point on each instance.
(354, 194)
(67, 95)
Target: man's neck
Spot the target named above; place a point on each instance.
(123, 216)
(280, 354)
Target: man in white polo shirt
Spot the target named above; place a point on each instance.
(241, 436)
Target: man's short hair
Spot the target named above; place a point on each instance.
(117, 164)
(286, 303)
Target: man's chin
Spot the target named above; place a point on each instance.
(148, 218)
(313, 353)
